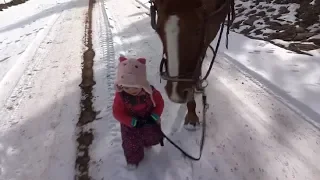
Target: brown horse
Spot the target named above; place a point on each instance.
(186, 29)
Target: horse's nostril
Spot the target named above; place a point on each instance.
(186, 93)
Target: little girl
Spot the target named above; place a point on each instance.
(138, 107)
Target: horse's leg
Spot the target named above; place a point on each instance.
(191, 120)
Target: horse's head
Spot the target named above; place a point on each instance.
(186, 28)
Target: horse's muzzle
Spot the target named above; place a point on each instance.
(180, 96)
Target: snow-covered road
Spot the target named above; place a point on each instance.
(39, 89)
(250, 133)
(261, 124)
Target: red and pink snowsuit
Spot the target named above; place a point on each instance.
(125, 107)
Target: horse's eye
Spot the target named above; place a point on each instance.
(198, 31)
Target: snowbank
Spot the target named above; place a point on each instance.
(293, 22)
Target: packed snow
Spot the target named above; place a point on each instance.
(40, 72)
(263, 120)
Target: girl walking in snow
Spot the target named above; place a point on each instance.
(138, 107)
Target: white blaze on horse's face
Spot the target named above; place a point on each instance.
(172, 39)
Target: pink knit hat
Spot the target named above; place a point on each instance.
(132, 73)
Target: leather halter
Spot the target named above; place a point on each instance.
(196, 75)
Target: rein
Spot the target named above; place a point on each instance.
(196, 78)
(204, 110)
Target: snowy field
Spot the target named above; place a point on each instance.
(263, 121)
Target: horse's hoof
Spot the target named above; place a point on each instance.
(191, 122)
(192, 127)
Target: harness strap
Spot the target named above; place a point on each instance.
(231, 16)
(214, 52)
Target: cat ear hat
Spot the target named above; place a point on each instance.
(132, 72)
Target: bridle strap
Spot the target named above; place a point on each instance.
(196, 77)
(230, 16)
(214, 53)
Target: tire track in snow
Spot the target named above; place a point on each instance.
(88, 114)
(16, 72)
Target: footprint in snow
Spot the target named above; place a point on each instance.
(53, 125)
(255, 52)
(174, 130)
(270, 51)
(251, 170)
(1, 60)
(10, 108)
(295, 65)
(37, 30)
(262, 44)
(295, 70)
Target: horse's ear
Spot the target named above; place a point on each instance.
(142, 60)
(122, 58)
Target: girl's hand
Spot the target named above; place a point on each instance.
(151, 120)
(136, 123)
